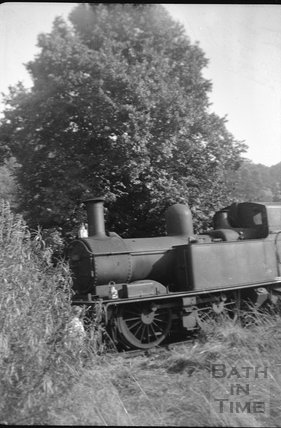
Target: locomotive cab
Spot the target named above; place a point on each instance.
(246, 220)
(273, 211)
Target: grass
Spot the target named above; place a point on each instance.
(47, 379)
(36, 361)
(176, 387)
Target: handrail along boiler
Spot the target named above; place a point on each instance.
(150, 287)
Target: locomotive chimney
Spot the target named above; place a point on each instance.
(95, 214)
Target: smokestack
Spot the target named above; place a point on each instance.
(95, 214)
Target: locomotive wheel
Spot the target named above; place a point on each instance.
(226, 308)
(143, 325)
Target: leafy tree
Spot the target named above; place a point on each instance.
(256, 182)
(8, 187)
(119, 107)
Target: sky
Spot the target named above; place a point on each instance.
(241, 42)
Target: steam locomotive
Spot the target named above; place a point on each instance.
(152, 287)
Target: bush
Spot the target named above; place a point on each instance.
(36, 361)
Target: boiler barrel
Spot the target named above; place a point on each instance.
(97, 262)
(100, 259)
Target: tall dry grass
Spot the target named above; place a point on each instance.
(176, 387)
(37, 363)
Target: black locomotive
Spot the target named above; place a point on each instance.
(150, 287)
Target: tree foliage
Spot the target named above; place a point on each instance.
(8, 187)
(119, 107)
(256, 182)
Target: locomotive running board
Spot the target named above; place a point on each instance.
(90, 299)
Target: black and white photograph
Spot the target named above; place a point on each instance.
(140, 214)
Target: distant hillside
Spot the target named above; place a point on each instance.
(256, 182)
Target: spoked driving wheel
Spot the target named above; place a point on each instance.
(221, 309)
(143, 325)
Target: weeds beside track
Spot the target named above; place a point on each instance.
(37, 362)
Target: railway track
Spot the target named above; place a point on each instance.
(152, 351)
(156, 350)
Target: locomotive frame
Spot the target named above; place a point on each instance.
(152, 287)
